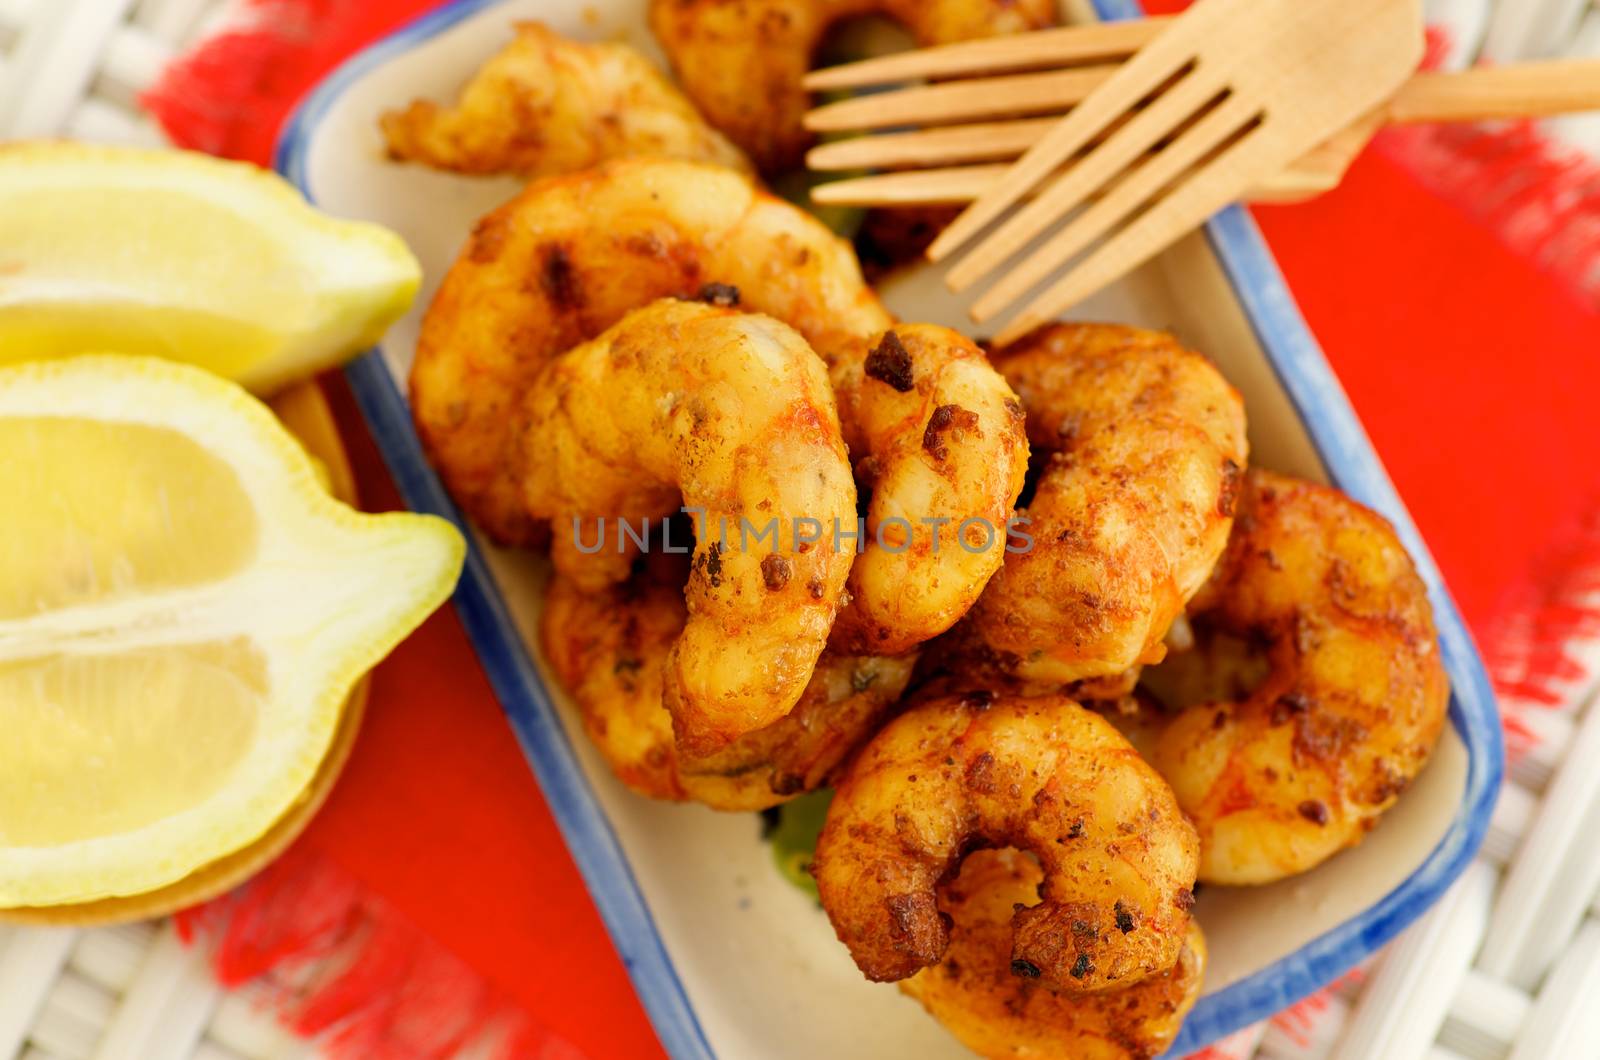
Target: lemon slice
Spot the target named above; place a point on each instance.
(179, 255)
(183, 609)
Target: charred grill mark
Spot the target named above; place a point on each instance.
(559, 278)
(890, 363)
(947, 420)
(776, 572)
(710, 563)
(1387, 783)
(980, 774)
(916, 925)
(902, 913)
(1314, 811)
(1324, 739)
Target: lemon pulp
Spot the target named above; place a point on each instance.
(183, 609)
(100, 510)
(88, 759)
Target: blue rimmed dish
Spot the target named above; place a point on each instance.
(728, 958)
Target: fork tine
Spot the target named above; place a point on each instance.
(978, 141)
(1163, 224)
(956, 185)
(939, 149)
(1141, 132)
(917, 187)
(1050, 47)
(960, 100)
(1148, 180)
(929, 147)
(1135, 79)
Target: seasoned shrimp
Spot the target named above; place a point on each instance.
(996, 1013)
(1041, 774)
(1300, 768)
(608, 649)
(936, 434)
(847, 700)
(733, 413)
(547, 105)
(566, 259)
(742, 61)
(1130, 514)
(570, 256)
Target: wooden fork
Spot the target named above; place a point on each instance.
(1233, 90)
(1521, 90)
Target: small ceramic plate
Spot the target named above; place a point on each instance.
(728, 958)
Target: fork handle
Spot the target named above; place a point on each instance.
(1520, 90)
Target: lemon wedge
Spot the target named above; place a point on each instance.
(179, 255)
(183, 610)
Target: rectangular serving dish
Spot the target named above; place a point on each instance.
(729, 959)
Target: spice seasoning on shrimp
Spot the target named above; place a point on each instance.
(546, 105)
(876, 850)
(994, 1003)
(903, 396)
(609, 648)
(775, 571)
(1324, 588)
(615, 423)
(1134, 437)
(606, 241)
(890, 363)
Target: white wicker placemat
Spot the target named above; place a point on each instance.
(75, 68)
(1506, 966)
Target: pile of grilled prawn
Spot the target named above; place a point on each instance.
(1052, 542)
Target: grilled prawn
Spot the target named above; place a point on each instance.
(1350, 708)
(1145, 444)
(609, 647)
(979, 997)
(1038, 773)
(545, 105)
(731, 415)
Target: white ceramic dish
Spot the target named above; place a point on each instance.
(728, 958)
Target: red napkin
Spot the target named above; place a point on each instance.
(435, 877)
